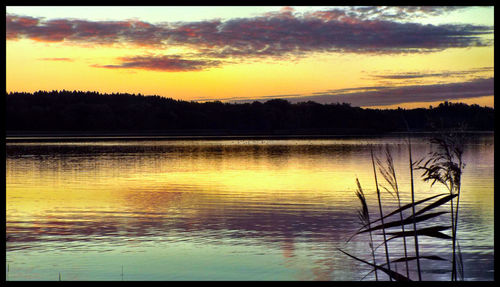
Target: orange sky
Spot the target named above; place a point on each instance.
(266, 52)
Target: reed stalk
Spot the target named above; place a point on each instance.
(455, 226)
(364, 216)
(445, 166)
(381, 214)
(389, 175)
(458, 151)
(453, 258)
(441, 167)
(417, 255)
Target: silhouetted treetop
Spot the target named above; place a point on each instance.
(55, 111)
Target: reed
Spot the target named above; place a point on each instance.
(389, 174)
(435, 169)
(417, 252)
(381, 214)
(445, 166)
(364, 216)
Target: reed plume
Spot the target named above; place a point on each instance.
(364, 217)
(423, 215)
(389, 174)
(445, 165)
(381, 213)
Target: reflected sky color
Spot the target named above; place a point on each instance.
(217, 209)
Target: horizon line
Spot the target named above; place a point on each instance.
(249, 101)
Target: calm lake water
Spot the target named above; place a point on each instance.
(260, 209)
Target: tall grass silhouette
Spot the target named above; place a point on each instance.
(389, 173)
(381, 213)
(364, 216)
(443, 165)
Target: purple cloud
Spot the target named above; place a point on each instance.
(445, 74)
(387, 95)
(278, 34)
(161, 63)
(395, 13)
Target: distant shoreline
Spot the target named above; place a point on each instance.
(17, 136)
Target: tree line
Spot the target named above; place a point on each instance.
(78, 111)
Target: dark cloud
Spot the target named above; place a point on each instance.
(162, 63)
(283, 34)
(80, 31)
(388, 95)
(445, 74)
(277, 34)
(397, 13)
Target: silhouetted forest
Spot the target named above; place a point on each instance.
(75, 111)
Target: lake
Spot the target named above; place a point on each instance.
(224, 209)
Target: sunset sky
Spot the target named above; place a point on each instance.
(368, 56)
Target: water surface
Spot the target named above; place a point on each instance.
(256, 209)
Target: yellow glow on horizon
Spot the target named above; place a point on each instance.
(249, 79)
(487, 101)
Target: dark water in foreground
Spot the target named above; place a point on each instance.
(221, 209)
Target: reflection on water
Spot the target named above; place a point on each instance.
(218, 209)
